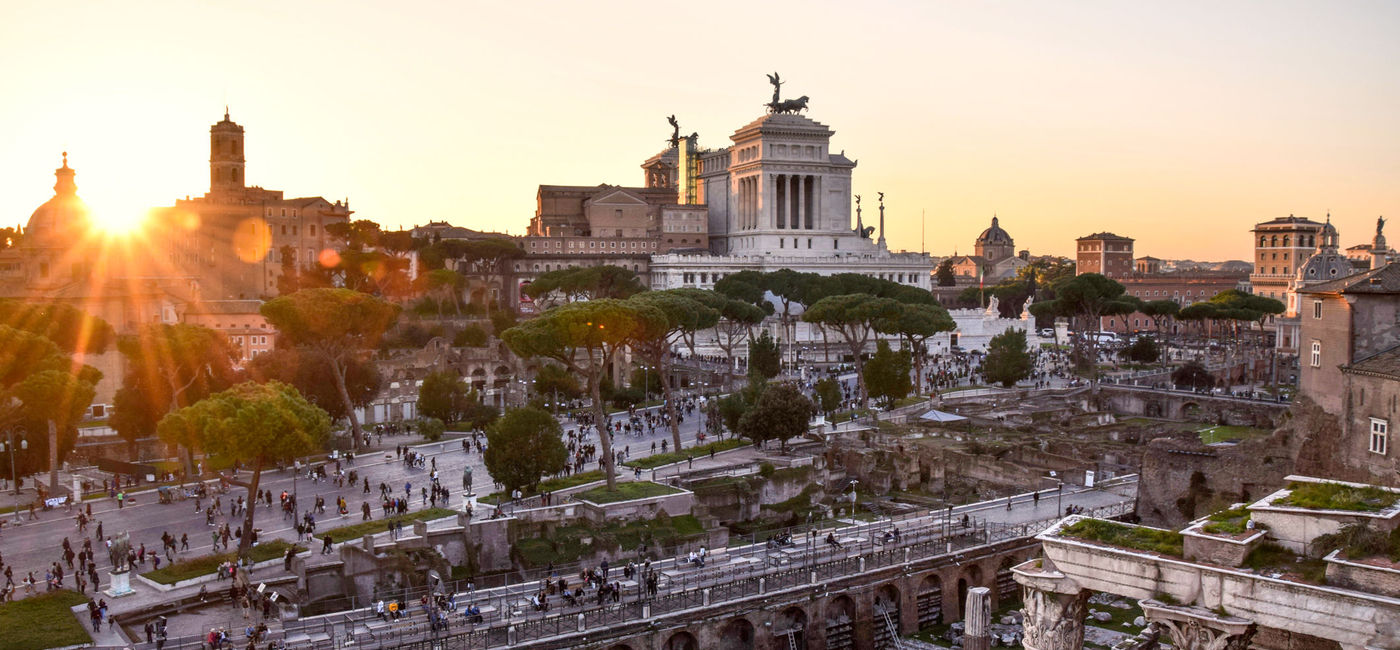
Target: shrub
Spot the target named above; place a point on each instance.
(766, 469)
(431, 429)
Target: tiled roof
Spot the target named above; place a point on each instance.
(1385, 363)
(1384, 280)
(1106, 235)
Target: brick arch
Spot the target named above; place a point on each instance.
(681, 640)
(737, 634)
(929, 600)
(840, 621)
(792, 619)
(886, 607)
(971, 576)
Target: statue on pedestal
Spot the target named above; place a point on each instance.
(675, 130)
(994, 308)
(779, 105)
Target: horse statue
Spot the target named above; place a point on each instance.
(790, 105)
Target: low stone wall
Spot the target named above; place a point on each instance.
(1361, 576)
(1200, 546)
(679, 503)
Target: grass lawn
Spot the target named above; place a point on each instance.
(657, 460)
(356, 531)
(1223, 433)
(1166, 542)
(552, 485)
(956, 389)
(1335, 496)
(42, 621)
(626, 492)
(912, 399)
(206, 564)
(1227, 522)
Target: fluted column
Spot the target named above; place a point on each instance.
(977, 619)
(1054, 606)
(794, 192)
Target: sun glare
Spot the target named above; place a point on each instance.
(118, 222)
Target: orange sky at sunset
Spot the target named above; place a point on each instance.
(1179, 124)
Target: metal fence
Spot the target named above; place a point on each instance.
(508, 618)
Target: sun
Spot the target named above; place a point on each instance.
(119, 222)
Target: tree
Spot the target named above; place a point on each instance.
(1143, 350)
(678, 317)
(169, 367)
(853, 316)
(256, 425)
(554, 381)
(491, 259)
(765, 360)
(42, 381)
(442, 395)
(523, 446)
(1089, 296)
(308, 372)
(471, 336)
(584, 337)
(1160, 311)
(944, 274)
(1008, 361)
(583, 283)
(916, 324)
(443, 285)
(828, 393)
(1193, 375)
(336, 325)
(57, 398)
(887, 374)
(780, 413)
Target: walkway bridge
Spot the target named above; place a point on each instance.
(862, 593)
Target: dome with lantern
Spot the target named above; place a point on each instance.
(61, 219)
(1327, 262)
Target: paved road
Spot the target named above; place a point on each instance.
(34, 545)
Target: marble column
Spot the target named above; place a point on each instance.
(1197, 628)
(1054, 605)
(780, 196)
(977, 619)
(799, 203)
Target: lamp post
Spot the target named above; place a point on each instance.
(9, 445)
(1059, 498)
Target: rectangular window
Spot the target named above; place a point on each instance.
(1317, 309)
(1379, 430)
(1317, 354)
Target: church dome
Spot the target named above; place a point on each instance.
(994, 235)
(56, 220)
(1327, 263)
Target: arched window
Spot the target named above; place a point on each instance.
(1285, 241)
(1263, 241)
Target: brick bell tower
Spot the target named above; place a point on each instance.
(226, 156)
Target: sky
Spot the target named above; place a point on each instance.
(1180, 124)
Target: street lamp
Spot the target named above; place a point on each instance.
(9, 445)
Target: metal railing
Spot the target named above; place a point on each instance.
(508, 618)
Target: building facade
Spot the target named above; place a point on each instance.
(233, 239)
(1104, 253)
(1281, 246)
(1350, 365)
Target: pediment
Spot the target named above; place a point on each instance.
(615, 196)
